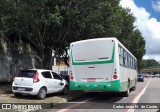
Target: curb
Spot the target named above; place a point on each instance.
(67, 99)
(72, 95)
(6, 92)
(52, 105)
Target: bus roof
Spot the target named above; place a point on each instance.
(105, 38)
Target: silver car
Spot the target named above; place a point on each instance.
(38, 82)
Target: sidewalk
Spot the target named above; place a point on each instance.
(7, 96)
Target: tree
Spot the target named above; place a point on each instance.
(53, 24)
(151, 63)
(138, 47)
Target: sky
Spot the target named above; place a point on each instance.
(147, 13)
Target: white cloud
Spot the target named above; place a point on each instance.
(154, 26)
(156, 5)
(149, 27)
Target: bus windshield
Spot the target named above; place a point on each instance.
(92, 50)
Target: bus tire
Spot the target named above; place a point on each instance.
(134, 88)
(126, 93)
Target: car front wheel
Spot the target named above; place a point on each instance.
(42, 93)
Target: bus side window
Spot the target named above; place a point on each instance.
(125, 58)
(129, 61)
(133, 63)
(120, 56)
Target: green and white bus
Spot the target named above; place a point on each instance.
(102, 64)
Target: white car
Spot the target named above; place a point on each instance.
(157, 75)
(38, 82)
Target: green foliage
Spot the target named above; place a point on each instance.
(53, 24)
(150, 63)
(137, 47)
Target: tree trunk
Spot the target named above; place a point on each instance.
(47, 59)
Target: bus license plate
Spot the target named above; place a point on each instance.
(91, 80)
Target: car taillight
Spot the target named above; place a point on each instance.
(36, 78)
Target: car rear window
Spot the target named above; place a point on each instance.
(28, 74)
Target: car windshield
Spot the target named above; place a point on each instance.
(140, 75)
(26, 73)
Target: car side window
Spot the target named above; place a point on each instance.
(56, 76)
(47, 75)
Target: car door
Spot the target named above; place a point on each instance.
(59, 81)
(49, 82)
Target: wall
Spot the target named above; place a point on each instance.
(15, 56)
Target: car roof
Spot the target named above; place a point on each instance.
(36, 70)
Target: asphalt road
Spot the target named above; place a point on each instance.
(146, 93)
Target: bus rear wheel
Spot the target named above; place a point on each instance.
(126, 93)
(134, 87)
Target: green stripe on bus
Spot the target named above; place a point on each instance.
(113, 86)
(96, 86)
(94, 62)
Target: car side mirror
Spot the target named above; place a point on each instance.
(61, 78)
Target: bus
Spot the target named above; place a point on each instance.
(102, 64)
